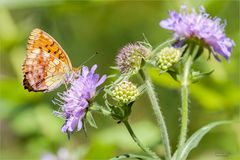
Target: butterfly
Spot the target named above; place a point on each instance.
(46, 65)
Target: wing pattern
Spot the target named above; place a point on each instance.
(46, 63)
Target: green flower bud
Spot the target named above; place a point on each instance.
(129, 58)
(125, 92)
(167, 58)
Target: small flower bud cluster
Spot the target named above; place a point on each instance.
(130, 57)
(167, 58)
(125, 92)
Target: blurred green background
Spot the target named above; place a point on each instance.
(28, 129)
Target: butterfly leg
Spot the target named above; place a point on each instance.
(65, 83)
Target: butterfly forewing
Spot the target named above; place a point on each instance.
(46, 63)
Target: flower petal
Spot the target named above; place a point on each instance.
(103, 78)
(93, 69)
(85, 71)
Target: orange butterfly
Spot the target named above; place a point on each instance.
(46, 65)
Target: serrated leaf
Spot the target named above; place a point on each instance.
(193, 141)
(91, 120)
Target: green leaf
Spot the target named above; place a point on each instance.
(117, 113)
(182, 152)
(100, 109)
(196, 75)
(85, 128)
(199, 53)
(91, 120)
(132, 156)
(114, 67)
(174, 75)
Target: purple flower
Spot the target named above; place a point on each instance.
(188, 25)
(76, 99)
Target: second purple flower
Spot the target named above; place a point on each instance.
(190, 25)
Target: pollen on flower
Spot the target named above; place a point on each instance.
(125, 92)
(129, 58)
(167, 58)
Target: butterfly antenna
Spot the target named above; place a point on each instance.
(92, 56)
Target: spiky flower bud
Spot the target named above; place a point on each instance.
(129, 58)
(167, 58)
(125, 92)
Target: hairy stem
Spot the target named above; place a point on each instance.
(191, 55)
(142, 146)
(184, 101)
(156, 109)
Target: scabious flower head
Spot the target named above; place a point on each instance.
(125, 92)
(192, 25)
(129, 58)
(76, 99)
(167, 58)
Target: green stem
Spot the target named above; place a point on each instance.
(158, 113)
(142, 146)
(105, 112)
(193, 51)
(184, 101)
